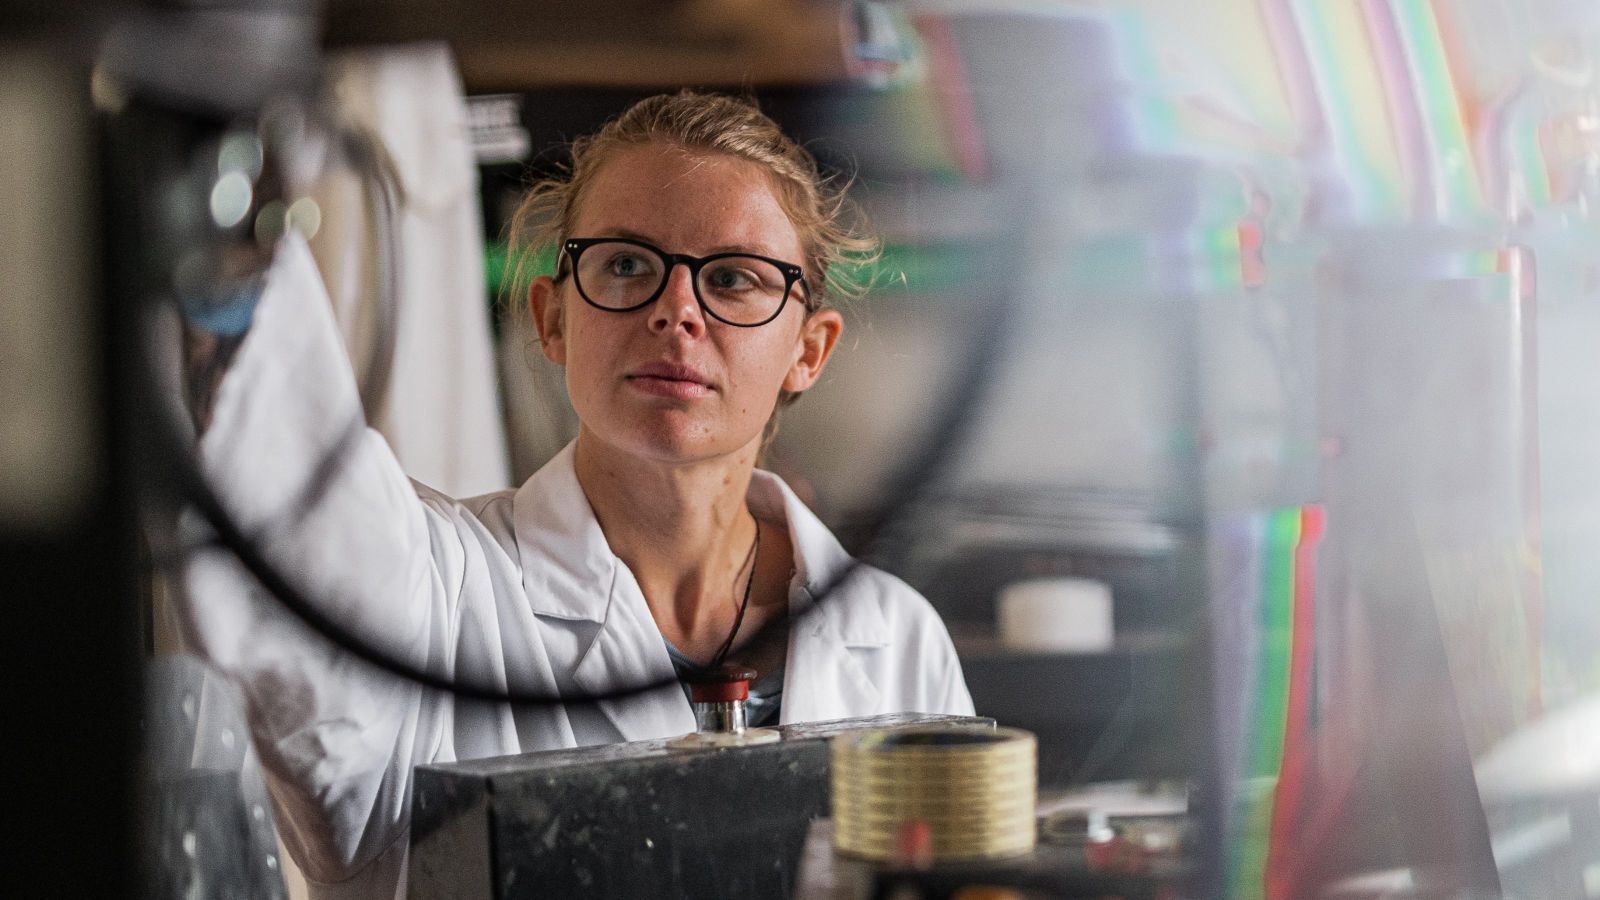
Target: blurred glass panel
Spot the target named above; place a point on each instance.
(1303, 348)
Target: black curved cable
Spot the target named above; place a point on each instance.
(170, 446)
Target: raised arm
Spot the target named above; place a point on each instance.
(417, 578)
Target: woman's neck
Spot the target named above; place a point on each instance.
(684, 531)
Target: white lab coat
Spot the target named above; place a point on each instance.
(517, 588)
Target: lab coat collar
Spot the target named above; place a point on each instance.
(563, 552)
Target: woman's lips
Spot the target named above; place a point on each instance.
(669, 380)
(668, 387)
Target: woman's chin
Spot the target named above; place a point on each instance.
(676, 440)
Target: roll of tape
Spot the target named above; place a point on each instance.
(1062, 614)
(971, 787)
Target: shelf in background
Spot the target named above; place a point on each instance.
(1120, 708)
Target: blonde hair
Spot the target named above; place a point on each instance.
(837, 247)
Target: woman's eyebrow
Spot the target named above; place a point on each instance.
(756, 249)
(628, 233)
(753, 249)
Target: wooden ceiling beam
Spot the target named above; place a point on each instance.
(524, 45)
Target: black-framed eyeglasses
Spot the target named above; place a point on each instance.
(741, 289)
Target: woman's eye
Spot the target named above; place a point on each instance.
(729, 278)
(625, 265)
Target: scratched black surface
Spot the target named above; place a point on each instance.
(628, 820)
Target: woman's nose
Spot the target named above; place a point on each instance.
(677, 307)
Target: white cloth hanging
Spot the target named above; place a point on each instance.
(442, 414)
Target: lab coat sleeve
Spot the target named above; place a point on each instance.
(414, 575)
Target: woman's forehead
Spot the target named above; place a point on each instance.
(688, 202)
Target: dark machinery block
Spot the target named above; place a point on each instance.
(628, 820)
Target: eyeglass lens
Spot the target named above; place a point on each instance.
(737, 289)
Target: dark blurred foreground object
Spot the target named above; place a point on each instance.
(208, 824)
(68, 560)
(80, 261)
(638, 820)
(201, 842)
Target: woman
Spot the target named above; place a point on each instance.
(687, 300)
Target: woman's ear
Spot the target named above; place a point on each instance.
(818, 336)
(548, 318)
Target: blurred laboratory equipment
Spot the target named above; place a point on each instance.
(1064, 614)
(646, 818)
(889, 785)
(719, 698)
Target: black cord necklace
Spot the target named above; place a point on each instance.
(755, 558)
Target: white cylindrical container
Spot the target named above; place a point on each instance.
(1070, 615)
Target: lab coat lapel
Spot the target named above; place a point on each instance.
(826, 679)
(629, 651)
(827, 640)
(609, 641)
